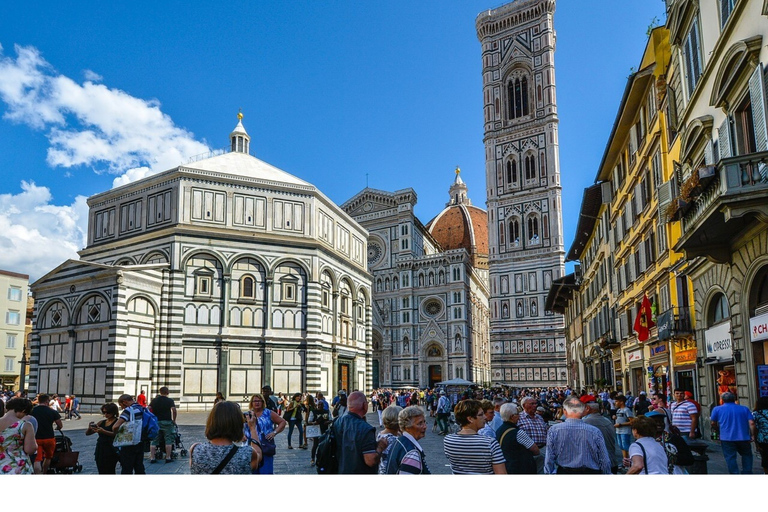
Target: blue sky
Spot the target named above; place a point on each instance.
(94, 94)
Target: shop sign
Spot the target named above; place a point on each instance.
(758, 326)
(718, 340)
(636, 355)
(658, 349)
(684, 357)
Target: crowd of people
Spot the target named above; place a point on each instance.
(496, 431)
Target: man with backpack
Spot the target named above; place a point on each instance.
(131, 456)
(165, 409)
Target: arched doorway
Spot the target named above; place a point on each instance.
(434, 357)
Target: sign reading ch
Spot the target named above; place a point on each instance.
(758, 326)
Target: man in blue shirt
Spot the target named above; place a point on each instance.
(574, 447)
(737, 429)
(356, 447)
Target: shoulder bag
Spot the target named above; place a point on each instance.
(226, 460)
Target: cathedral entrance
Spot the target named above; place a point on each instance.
(344, 377)
(435, 374)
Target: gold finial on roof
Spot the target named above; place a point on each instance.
(240, 114)
(458, 170)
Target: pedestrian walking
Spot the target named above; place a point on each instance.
(736, 427)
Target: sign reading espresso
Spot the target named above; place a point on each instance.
(718, 341)
(758, 326)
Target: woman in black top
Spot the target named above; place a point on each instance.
(105, 454)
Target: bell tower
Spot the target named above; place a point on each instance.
(525, 227)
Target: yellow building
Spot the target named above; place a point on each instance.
(13, 313)
(720, 201)
(623, 245)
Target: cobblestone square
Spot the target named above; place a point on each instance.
(287, 462)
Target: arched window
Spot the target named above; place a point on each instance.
(761, 295)
(511, 171)
(530, 167)
(514, 233)
(247, 288)
(533, 229)
(719, 309)
(517, 93)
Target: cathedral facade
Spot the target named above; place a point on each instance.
(430, 316)
(220, 275)
(523, 186)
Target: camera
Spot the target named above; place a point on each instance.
(246, 415)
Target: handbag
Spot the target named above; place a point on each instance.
(268, 447)
(313, 431)
(129, 433)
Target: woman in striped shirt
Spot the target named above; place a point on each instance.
(468, 452)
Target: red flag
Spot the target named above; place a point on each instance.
(644, 320)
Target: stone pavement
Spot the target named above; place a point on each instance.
(287, 462)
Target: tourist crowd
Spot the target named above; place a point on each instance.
(486, 431)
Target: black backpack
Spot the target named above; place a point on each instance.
(326, 461)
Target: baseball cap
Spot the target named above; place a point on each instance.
(642, 392)
(588, 398)
(688, 394)
(651, 414)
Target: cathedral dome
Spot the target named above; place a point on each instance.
(461, 225)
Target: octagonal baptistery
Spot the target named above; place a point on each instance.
(220, 275)
(462, 226)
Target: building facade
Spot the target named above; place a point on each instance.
(14, 291)
(221, 275)
(523, 192)
(623, 245)
(430, 292)
(721, 198)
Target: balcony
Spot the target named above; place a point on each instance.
(673, 323)
(728, 205)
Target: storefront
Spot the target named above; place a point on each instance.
(719, 359)
(658, 368)
(684, 366)
(758, 328)
(636, 372)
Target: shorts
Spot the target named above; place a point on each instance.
(168, 430)
(624, 440)
(45, 449)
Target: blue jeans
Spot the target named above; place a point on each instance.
(295, 423)
(743, 448)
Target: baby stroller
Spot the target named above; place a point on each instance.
(177, 444)
(64, 460)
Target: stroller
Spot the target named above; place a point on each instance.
(177, 444)
(64, 460)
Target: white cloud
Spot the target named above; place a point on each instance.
(86, 124)
(92, 76)
(91, 124)
(35, 235)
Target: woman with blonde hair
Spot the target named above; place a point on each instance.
(270, 424)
